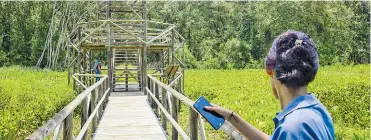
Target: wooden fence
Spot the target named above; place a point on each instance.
(156, 88)
(95, 97)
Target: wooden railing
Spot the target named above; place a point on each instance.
(95, 97)
(128, 31)
(169, 102)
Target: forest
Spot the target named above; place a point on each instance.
(219, 34)
(225, 46)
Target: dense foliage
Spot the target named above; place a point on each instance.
(24, 27)
(343, 90)
(239, 34)
(28, 98)
(219, 34)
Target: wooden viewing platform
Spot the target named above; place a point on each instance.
(130, 101)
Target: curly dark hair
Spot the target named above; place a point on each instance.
(294, 59)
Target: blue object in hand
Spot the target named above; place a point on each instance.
(215, 120)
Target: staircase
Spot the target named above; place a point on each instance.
(127, 71)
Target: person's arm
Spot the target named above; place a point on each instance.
(246, 129)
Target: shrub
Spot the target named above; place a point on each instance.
(28, 98)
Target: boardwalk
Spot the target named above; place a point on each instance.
(129, 117)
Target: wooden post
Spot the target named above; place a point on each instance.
(83, 64)
(174, 114)
(93, 105)
(144, 49)
(156, 86)
(153, 84)
(91, 65)
(79, 77)
(139, 68)
(74, 70)
(68, 62)
(84, 114)
(107, 85)
(127, 81)
(150, 88)
(108, 12)
(193, 124)
(106, 98)
(172, 45)
(100, 95)
(180, 90)
(163, 102)
(111, 66)
(68, 127)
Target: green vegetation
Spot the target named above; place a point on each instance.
(219, 34)
(343, 90)
(238, 34)
(28, 98)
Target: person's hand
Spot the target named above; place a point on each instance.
(220, 110)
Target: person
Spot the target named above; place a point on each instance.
(292, 63)
(97, 69)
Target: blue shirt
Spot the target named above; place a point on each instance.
(304, 118)
(97, 71)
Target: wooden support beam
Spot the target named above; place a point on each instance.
(202, 128)
(100, 95)
(57, 132)
(157, 97)
(145, 93)
(163, 33)
(193, 125)
(154, 91)
(68, 127)
(93, 106)
(174, 114)
(84, 115)
(163, 102)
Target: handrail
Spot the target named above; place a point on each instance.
(168, 116)
(163, 23)
(179, 34)
(162, 34)
(113, 20)
(86, 125)
(227, 127)
(86, 37)
(178, 95)
(128, 32)
(66, 114)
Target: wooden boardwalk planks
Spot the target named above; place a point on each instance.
(129, 117)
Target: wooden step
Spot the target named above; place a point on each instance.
(125, 60)
(126, 81)
(125, 57)
(118, 69)
(129, 76)
(125, 77)
(123, 84)
(121, 68)
(128, 88)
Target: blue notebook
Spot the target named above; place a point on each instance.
(215, 120)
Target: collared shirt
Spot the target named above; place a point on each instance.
(305, 118)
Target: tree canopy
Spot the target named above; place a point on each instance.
(219, 34)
